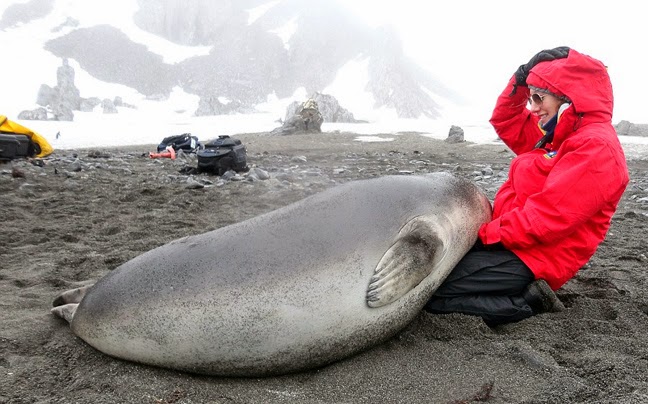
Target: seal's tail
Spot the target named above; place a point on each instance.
(66, 303)
(66, 311)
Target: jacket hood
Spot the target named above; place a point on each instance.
(583, 79)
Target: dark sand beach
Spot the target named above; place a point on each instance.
(85, 212)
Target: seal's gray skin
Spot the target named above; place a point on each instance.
(293, 289)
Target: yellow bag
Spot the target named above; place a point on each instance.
(43, 148)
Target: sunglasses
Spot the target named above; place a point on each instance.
(536, 99)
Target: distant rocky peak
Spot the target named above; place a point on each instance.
(196, 22)
(22, 13)
(248, 58)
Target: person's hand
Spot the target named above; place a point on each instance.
(522, 72)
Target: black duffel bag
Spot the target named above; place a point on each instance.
(15, 145)
(185, 142)
(222, 154)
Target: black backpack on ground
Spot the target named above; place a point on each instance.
(185, 142)
(14, 145)
(222, 154)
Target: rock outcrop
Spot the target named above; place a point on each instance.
(214, 106)
(63, 98)
(455, 134)
(38, 114)
(328, 107)
(307, 118)
(58, 102)
(626, 128)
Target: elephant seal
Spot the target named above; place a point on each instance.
(296, 288)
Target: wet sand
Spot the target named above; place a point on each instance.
(87, 211)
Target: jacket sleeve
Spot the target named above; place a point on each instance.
(583, 181)
(513, 122)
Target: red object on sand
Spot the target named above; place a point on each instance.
(169, 153)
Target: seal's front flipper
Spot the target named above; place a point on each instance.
(71, 296)
(407, 262)
(66, 311)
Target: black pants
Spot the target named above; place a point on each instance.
(487, 284)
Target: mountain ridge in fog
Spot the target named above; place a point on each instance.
(248, 60)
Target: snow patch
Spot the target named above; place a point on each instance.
(286, 31)
(373, 139)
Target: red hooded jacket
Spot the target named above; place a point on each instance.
(556, 206)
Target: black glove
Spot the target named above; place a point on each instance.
(522, 72)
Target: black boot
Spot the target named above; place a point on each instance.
(541, 298)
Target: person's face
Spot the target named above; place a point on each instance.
(544, 105)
